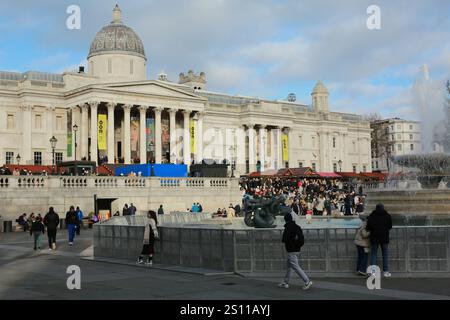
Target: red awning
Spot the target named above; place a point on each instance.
(328, 175)
(374, 175)
(269, 173)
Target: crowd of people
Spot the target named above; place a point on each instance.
(309, 196)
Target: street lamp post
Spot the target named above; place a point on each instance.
(53, 142)
(75, 129)
(18, 159)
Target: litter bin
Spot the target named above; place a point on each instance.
(7, 226)
(62, 224)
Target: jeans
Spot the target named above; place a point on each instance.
(361, 262)
(51, 233)
(373, 255)
(71, 228)
(292, 264)
(37, 239)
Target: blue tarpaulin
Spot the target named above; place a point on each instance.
(159, 170)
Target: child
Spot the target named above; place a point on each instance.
(37, 230)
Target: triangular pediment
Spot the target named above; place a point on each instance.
(152, 88)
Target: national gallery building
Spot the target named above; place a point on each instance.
(111, 113)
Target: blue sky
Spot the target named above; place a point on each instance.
(260, 48)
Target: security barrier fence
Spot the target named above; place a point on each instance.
(412, 249)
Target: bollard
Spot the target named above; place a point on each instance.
(7, 226)
(62, 224)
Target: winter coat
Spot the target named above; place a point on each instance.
(293, 238)
(71, 217)
(37, 226)
(362, 237)
(379, 223)
(150, 232)
(51, 220)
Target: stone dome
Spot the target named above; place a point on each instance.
(117, 38)
(320, 88)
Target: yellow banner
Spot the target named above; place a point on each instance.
(192, 136)
(285, 143)
(101, 133)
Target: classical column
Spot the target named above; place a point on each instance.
(345, 157)
(173, 135)
(272, 148)
(251, 147)
(240, 161)
(199, 136)
(94, 152)
(26, 135)
(142, 134)
(127, 133)
(278, 149)
(262, 146)
(84, 131)
(111, 132)
(158, 143)
(186, 138)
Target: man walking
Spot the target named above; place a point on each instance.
(293, 240)
(125, 210)
(80, 220)
(379, 223)
(71, 222)
(37, 230)
(51, 221)
(132, 209)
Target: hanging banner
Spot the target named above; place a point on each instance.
(69, 133)
(69, 145)
(150, 132)
(165, 136)
(192, 136)
(134, 134)
(101, 131)
(285, 144)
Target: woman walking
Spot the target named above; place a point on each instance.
(362, 241)
(37, 230)
(150, 234)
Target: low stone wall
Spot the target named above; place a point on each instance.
(19, 194)
(412, 249)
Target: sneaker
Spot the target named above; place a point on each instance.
(149, 263)
(140, 261)
(283, 285)
(70, 243)
(50, 249)
(54, 246)
(387, 274)
(307, 285)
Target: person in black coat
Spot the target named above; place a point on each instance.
(379, 224)
(51, 221)
(293, 241)
(37, 230)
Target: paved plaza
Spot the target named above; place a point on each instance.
(29, 275)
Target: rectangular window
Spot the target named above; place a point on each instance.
(392, 137)
(58, 157)
(313, 166)
(410, 127)
(376, 164)
(335, 167)
(354, 168)
(38, 122)
(59, 123)
(399, 147)
(37, 158)
(411, 147)
(334, 142)
(392, 128)
(410, 137)
(399, 127)
(300, 164)
(9, 157)
(364, 168)
(399, 136)
(10, 122)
